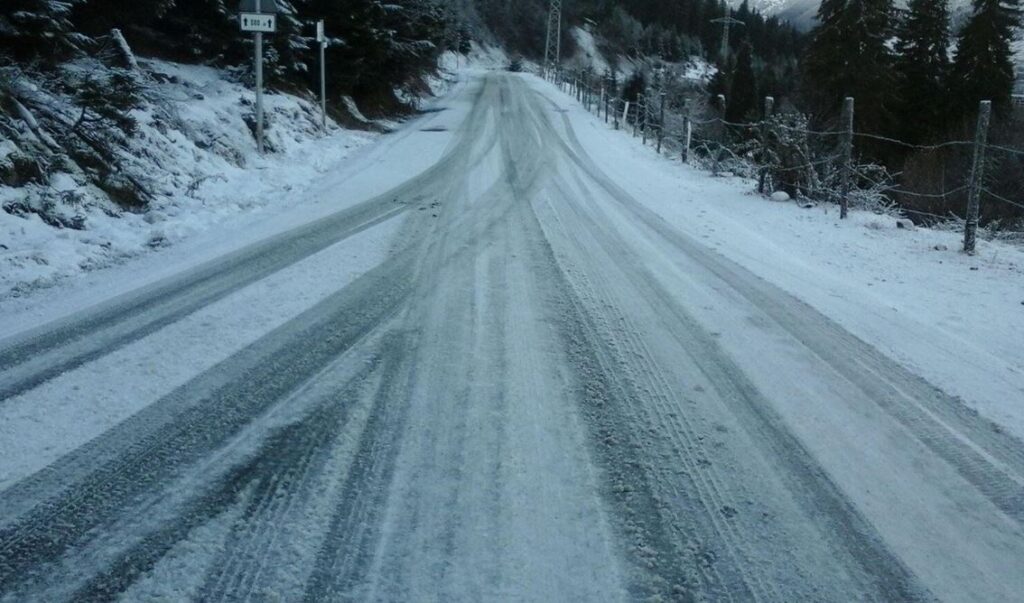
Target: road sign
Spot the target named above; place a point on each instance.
(258, 6)
(258, 22)
(320, 37)
(258, 16)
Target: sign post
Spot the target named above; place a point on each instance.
(322, 39)
(258, 16)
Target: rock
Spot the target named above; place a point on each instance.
(780, 196)
(905, 224)
(123, 191)
(940, 247)
(18, 169)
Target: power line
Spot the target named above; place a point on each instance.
(1000, 198)
(1006, 149)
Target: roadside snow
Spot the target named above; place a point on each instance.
(953, 319)
(40, 425)
(202, 163)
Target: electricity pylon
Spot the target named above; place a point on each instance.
(726, 22)
(553, 48)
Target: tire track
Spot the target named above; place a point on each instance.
(27, 360)
(834, 515)
(79, 494)
(988, 457)
(345, 555)
(618, 345)
(27, 365)
(267, 483)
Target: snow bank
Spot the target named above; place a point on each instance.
(195, 142)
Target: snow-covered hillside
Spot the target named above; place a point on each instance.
(196, 145)
(589, 56)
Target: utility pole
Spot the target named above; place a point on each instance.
(259, 84)
(977, 176)
(553, 47)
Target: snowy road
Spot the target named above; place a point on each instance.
(504, 379)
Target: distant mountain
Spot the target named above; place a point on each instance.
(800, 13)
(803, 13)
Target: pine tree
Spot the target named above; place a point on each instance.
(849, 56)
(983, 66)
(634, 87)
(742, 99)
(923, 68)
(38, 29)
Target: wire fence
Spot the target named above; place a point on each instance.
(783, 153)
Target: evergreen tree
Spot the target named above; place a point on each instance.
(742, 99)
(38, 29)
(634, 87)
(849, 56)
(983, 66)
(923, 68)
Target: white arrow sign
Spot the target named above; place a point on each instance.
(260, 22)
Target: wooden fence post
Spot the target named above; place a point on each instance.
(661, 122)
(769, 106)
(687, 133)
(639, 99)
(643, 126)
(846, 156)
(977, 177)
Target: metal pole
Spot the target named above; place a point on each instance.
(259, 84)
(323, 83)
(977, 177)
(259, 91)
(847, 158)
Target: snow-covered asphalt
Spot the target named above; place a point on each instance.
(505, 378)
